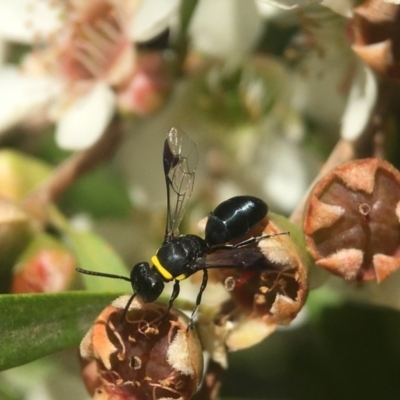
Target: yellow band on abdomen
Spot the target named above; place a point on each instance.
(181, 277)
(165, 274)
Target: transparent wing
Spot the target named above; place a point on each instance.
(180, 160)
(246, 258)
(243, 258)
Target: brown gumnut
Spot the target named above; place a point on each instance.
(351, 221)
(147, 357)
(268, 296)
(376, 30)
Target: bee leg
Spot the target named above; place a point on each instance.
(174, 295)
(198, 299)
(126, 309)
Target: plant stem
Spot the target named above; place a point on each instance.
(70, 170)
(185, 16)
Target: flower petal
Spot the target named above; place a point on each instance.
(3, 51)
(290, 4)
(27, 20)
(86, 120)
(287, 179)
(226, 27)
(269, 11)
(21, 95)
(360, 103)
(319, 77)
(152, 18)
(342, 7)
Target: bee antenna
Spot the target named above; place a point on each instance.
(87, 272)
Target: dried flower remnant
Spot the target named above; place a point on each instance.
(376, 29)
(271, 295)
(351, 221)
(146, 357)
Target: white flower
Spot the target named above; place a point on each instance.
(290, 4)
(225, 28)
(342, 7)
(85, 50)
(86, 118)
(21, 95)
(26, 21)
(360, 103)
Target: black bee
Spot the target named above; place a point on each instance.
(180, 256)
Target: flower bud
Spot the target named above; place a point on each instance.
(146, 89)
(149, 355)
(351, 221)
(19, 174)
(45, 266)
(15, 233)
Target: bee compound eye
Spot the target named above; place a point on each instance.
(146, 282)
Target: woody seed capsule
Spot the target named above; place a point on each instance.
(147, 357)
(351, 222)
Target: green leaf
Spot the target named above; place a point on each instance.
(94, 254)
(17, 383)
(8, 391)
(186, 13)
(100, 193)
(35, 325)
(360, 349)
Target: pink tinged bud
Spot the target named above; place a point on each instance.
(146, 89)
(45, 266)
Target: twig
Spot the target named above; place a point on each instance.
(71, 170)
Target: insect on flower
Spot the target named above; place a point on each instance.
(180, 256)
